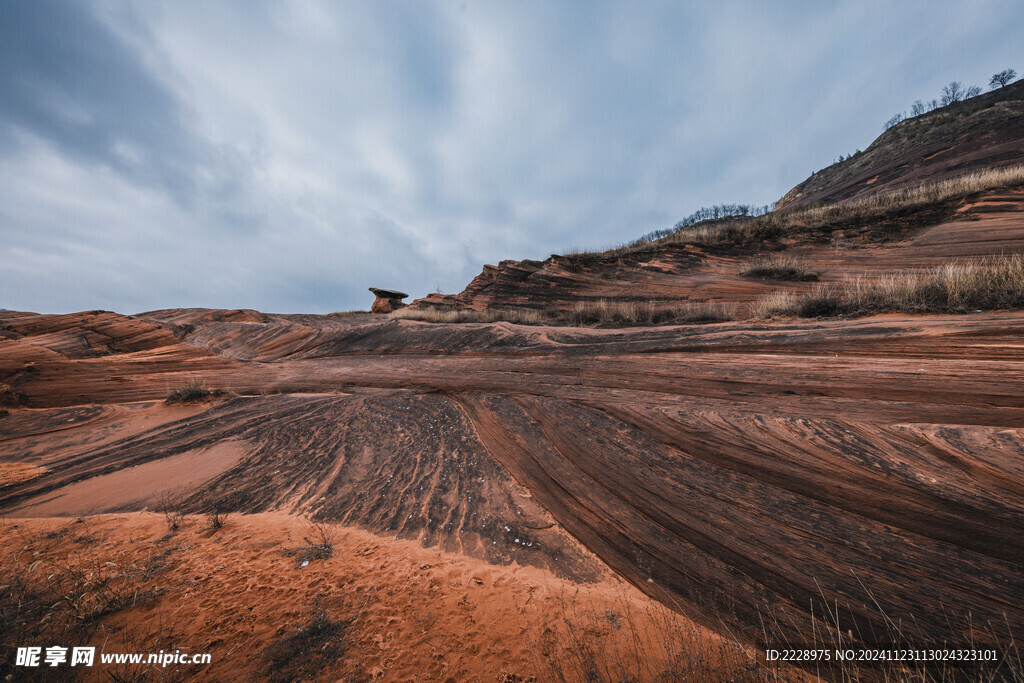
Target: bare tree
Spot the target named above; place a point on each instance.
(1002, 78)
(954, 92)
(917, 108)
(893, 121)
(973, 91)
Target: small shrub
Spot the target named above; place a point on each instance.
(193, 391)
(172, 505)
(319, 538)
(780, 268)
(217, 518)
(823, 302)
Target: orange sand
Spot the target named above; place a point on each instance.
(416, 614)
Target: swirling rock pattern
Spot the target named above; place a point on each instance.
(734, 471)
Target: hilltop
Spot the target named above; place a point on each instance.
(980, 133)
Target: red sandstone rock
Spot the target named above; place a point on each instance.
(387, 300)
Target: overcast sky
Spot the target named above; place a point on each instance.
(285, 156)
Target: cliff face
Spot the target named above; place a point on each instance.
(560, 281)
(984, 132)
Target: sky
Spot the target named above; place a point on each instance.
(285, 155)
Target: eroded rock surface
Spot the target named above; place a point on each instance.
(387, 301)
(731, 470)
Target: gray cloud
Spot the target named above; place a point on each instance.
(286, 155)
(66, 79)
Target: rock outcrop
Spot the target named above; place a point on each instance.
(387, 300)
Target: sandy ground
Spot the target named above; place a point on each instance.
(407, 613)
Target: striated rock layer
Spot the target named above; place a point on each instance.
(738, 472)
(987, 223)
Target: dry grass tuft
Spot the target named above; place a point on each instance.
(600, 312)
(522, 316)
(774, 304)
(194, 390)
(779, 223)
(958, 287)
(706, 312)
(779, 267)
(605, 312)
(319, 538)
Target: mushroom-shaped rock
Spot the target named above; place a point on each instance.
(387, 300)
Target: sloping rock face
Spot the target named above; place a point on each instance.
(984, 132)
(559, 282)
(85, 335)
(736, 471)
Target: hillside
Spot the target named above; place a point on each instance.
(710, 264)
(983, 132)
(705, 262)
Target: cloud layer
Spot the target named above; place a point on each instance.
(287, 155)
